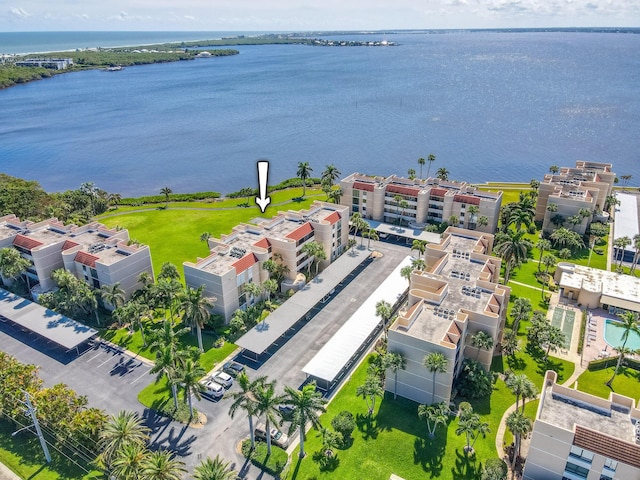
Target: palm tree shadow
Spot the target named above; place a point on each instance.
(429, 452)
(466, 467)
(368, 426)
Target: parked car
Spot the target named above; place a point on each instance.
(233, 368)
(212, 390)
(277, 437)
(223, 379)
(285, 410)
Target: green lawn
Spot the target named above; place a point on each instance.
(394, 440)
(627, 382)
(23, 455)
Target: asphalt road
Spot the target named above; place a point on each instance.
(111, 379)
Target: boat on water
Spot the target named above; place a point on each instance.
(117, 68)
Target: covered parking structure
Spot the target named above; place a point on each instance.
(52, 326)
(297, 308)
(348, 343)
(408, 234)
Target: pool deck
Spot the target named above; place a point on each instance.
(595, 345)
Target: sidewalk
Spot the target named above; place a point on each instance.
(6, 474)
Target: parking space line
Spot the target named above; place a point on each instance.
(141, 376)
(106, 361)
(94, 357)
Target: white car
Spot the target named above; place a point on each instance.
(212, 390)
(223, 379)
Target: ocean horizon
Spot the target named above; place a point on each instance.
(491, 105)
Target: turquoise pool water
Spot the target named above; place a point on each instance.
(613, 335)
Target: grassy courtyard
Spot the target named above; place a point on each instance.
(395, 440)
(626, 383)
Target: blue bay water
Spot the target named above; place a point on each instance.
(489, 105)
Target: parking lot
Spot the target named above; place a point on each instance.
(111, 378)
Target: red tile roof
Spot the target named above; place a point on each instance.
(264, 243)
(333, 218)
(608, 446)
(363, 186)
(86, 259)
(69, 244)
(438, 192)
(466, 199)
(245, 262)
(301, 232)
(26, 242)
(411, 191)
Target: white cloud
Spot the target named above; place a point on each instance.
(19, 12)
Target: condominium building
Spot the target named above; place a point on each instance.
(94, 253)
(237, 259)
(456, 296)
(580, 436)
(571, 191)
(413, 201)
(53, 63)
(595, 288)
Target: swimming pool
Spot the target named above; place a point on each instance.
(613, 335)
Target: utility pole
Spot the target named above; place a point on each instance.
(32, 412)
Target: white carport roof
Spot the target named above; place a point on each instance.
(405, 232)
(626, 224)
(331, 359)
(260, 337)
(51, 325)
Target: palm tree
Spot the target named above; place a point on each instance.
(520, 426)
(394, 361)
(421, 162)
(190, 374)
(162, 465)
(620, 244)
(543, 245)
(113, 199)
(554, 169)
(405, 273)
(307, 406)
(471, 425)
(442, 173)
(195, 310)
(431, 158)
(113, 295)
(548, 261)
(629, 324)
(315, 252)
(267, 404)
(335, 194)
(371, 234)
(512, 247)
(436, 363)
(12, 264)
(521, 310)
(216, 469)
(205, 236)
(473, 211)
(483, 220)
(165, 292)
(636, 255)
(521, 386)
(412, 173)
(482, 341)
(129, 461)
(369, 390)
(166, 191)
(245, 399)
(269, 286)
(510, 342)
(435, 414)
(166, 366)
(304, 172)
(356, 223)
(420, 246)
(330, 175)
(397, 199)
(383, 310)
(122, 429)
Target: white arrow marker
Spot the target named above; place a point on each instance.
(263, 176)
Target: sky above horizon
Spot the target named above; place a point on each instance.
(305, 15)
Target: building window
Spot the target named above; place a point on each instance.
(576, 470)
(581, 453)
(610, 464)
